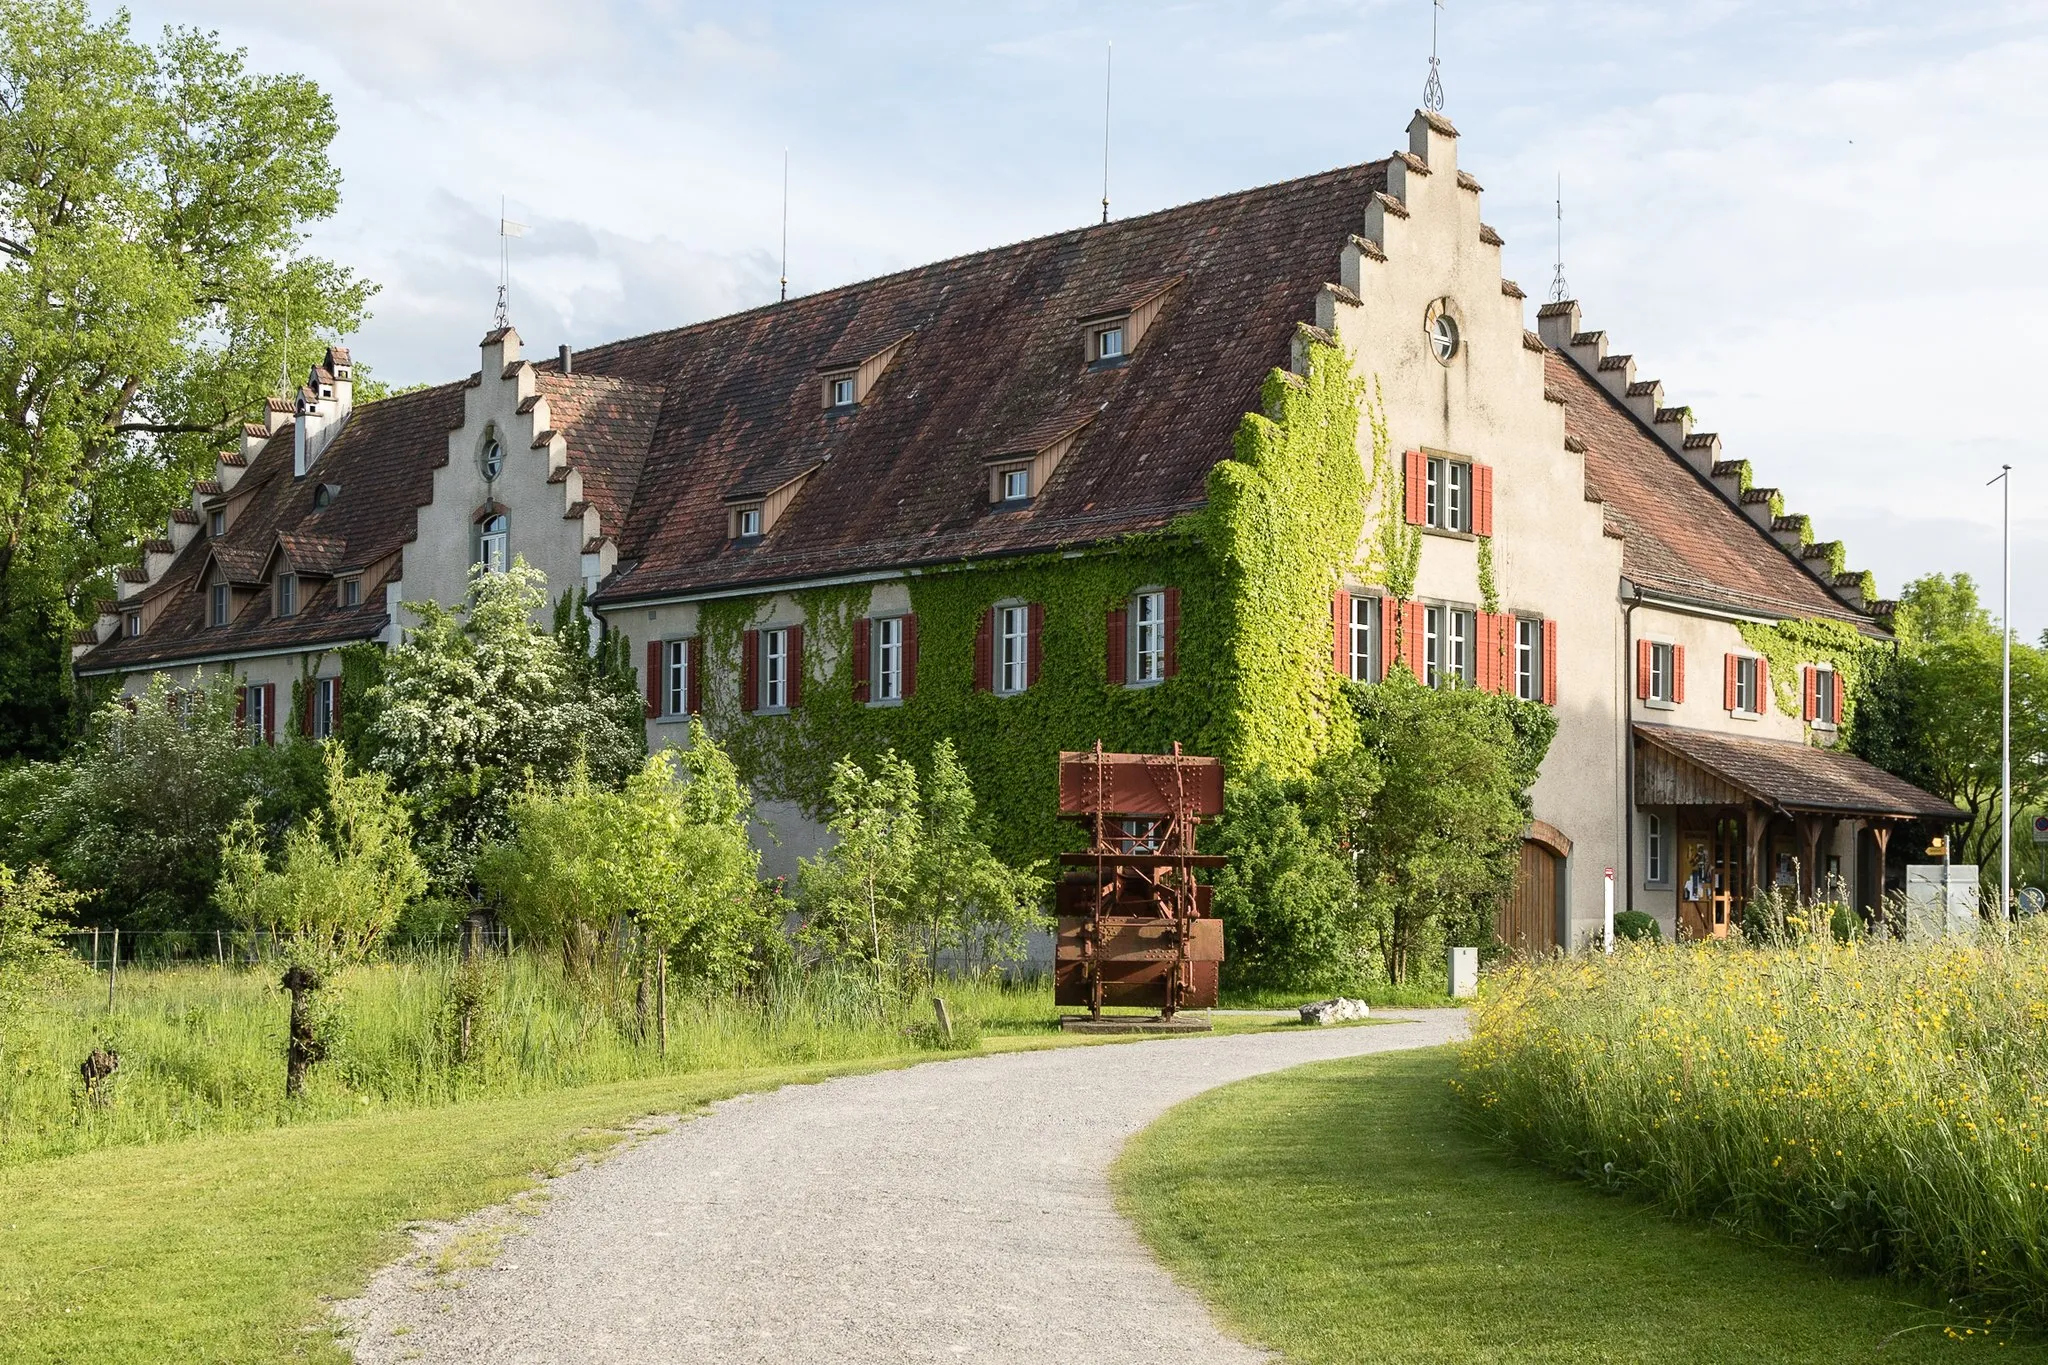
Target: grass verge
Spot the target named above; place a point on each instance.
(227, 1248)
(1342, 1212)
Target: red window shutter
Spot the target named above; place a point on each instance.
(1482, 499)
(1496, 638)
(270, 713)
(1340, 633)
(793, 663)
(1034, 652)
(1677, 674)
(1482, 661)
(1810, 686)
(1643, 651)
(1115, 622)
(1763, 686)
(1413, 644)
(863, 659)
(241, 707)
(654, 679)
(984, 653)
(1172, 641)
(308, 688)
(750, 677)
(693, 654)
(909, 655)
(1549, 662)
(335, 720)
(1414, 501)
(1729, 664)
(1837, 679)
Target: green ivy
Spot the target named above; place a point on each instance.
(1256, 568)
(1489, 591)
(1787, 645)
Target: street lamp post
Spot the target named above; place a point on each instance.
(2004, 479)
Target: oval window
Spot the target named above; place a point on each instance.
(1443, 337)
(492, 460)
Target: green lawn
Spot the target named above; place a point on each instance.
(1339, 1213)
(227, 1247)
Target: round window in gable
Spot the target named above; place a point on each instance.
(1443, 338)
(491, 460)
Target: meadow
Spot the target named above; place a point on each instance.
(1880, 1105)
(202, 1047)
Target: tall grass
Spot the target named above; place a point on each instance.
(1881, 1103)
(202, 1047)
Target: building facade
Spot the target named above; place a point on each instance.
(1174, 478)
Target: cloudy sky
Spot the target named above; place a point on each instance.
(1815, 222)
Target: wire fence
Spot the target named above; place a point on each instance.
(104, 949)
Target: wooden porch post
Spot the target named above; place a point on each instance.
(1809, 840)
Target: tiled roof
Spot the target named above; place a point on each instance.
(607, 423)
(382, 462)
(1795, 776)
(995, 351)
(1681, 536)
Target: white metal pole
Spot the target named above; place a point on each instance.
(2005, 705)
(1607, 937)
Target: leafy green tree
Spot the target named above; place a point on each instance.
(1932, 715)
(153, 204)
(33, 962)
(343, 878)
(1430, 808)
(134, 817)
(1285, 897)
(964, 897)
(480, 700)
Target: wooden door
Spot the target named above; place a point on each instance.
(1527, 921)
(1730, 875)
(1696, 887)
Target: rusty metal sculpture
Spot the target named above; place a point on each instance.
(1134, 927)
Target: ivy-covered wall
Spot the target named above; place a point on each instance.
(1255, 569)
(1787, 645)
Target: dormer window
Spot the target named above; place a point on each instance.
(1016, 484)
(1109, 342)
(287, 594)
(131, 624)
(220, 603)
(839, 391)
(217, 523)
(746, 522)
(1114, 328)
(351, 590)
(323, 496)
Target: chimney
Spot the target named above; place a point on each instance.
(323, 406)
(568, 364)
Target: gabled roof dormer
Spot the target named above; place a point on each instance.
(1021, 466)
(752, 512)
(1112, 330)
(845, 379)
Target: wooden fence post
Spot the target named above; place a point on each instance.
(113, 968)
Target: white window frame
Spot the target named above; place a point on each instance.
(1366, 629)
(490, 459)
(1462, 655)
(1663, 675)
(287, 594)
(1824, 697)
(1447, 494)
(351, 592)
(1529, 658)
(1656, 856)
(1016, 483)
(1012, 649)
(220, 606)
(841, 388)
(494, 546)
(675, 679)
(889, 641)
(253, 719)
(1148, 638)
(323, 707)
(1749, 666)
(1109, 342)
(775, 669)
(1432, 643)
(747, 523)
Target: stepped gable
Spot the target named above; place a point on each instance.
(986, 346)
(1680, 536)
(380, 467)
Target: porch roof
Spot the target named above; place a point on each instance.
(1792, 776)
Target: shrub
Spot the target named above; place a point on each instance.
(32, 958)
(1636, 926)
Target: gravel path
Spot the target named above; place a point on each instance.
(953, 1211)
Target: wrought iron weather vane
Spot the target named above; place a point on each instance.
(1433, 88)
(1559, 290)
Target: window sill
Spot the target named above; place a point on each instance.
(672, 720)
(1826, 727)
(1143, 685)
(771, 710)
(1658, 704)
(1745, 715)
(884, 702)
(1022, 691)
(1446, 534)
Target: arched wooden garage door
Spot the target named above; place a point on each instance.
(1529, 918)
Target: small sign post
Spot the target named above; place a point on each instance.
(2041, 829)
(1607, 930)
